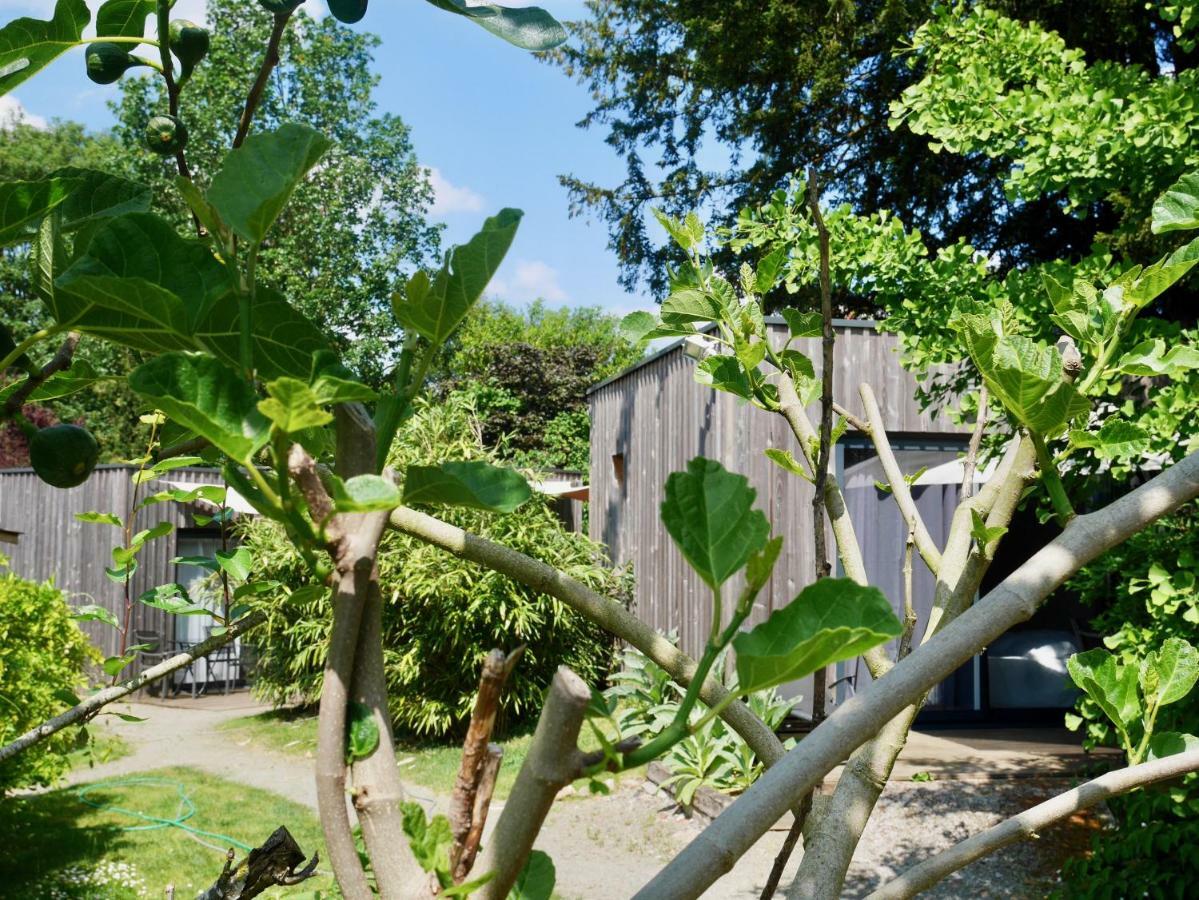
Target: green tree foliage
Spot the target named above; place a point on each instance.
(527, 372)
(42, 659)
(108, 408)
(352, 227)
(705, 111)
(442, 615)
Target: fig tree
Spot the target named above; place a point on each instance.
(107, 62)
(63, 455)
(348, 11)
(166, 135)
(189, 43)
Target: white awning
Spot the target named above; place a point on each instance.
(233, 500)
(571, 490)
(939, 471)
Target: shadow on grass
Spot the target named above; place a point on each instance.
(115, 837)
(46, 833)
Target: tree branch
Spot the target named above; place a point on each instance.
(88, 709)
(900, 490)
(489, 773)
(829, 850)
(819, 508)
(271, 865)
(1014, 600)
(849, 551)
(354, 669)
(59, 362)
(1028, 823)
(606, 613)
(550, 766)
(476, 753)
(976, 439)
(269, 61)
(378, 791)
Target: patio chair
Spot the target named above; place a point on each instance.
(229, 656)
(158, 651)
(152, 655)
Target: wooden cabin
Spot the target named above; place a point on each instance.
(651, 419)
(55, 546)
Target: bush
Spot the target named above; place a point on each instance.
(42, 659)
(1150, 582)
(442, 614)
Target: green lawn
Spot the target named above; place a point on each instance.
(104, 746)
(57, 847)
(430, 764)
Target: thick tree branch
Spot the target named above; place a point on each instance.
(377, 790)
(606, 613)
(354, 670)
(550, 765)
(1014, 600)
(900, 490)
(830, 849)
(88, 709)
(1028, 823)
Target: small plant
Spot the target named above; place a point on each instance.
(643, 700)
(1132, 694)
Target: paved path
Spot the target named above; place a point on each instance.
(606, 847)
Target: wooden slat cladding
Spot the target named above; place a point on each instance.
(54, 545)
(650, 421)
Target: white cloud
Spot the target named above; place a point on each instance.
(451, 198)
(12, 112)
(529, 280)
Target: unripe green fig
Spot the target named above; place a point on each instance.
(348, 11)
(189, 43)
(63, 455)
(279, 6)
(166, 135)
(107, 62)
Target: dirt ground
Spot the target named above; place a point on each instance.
(605, 847)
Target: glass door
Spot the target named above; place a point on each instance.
(204, 590)
(882, 533)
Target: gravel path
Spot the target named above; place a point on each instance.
(606, 847)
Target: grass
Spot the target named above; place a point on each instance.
(104, 746)
(428, 763)
(56, 847)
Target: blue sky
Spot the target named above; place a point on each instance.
(495, 125)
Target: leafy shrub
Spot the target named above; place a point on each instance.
(715, 756)
(1151, 854)
(1152, 584)
(42, 659)
(442, 614)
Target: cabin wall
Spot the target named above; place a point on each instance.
(54, 545)
(655, 418)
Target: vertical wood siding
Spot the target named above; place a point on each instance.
(54, 546)
(656, 418)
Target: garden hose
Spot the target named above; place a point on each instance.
(187, 809)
